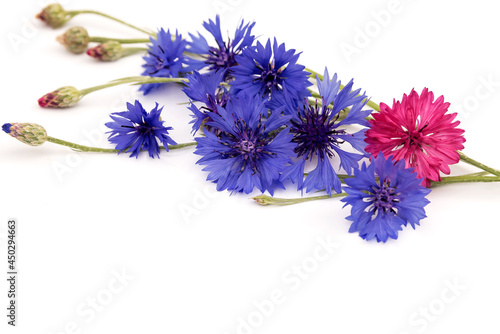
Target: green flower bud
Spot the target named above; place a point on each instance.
(75, 39)
(54, 15)
(28, 133)
(60, 98)
(107, 51)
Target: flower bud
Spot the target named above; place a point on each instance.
(75, 39)
(107, 51)
(60, 98)
(54, 15)
(28, 133)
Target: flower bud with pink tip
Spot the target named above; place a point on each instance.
(54, 15)
(63, 97)
(107, 51)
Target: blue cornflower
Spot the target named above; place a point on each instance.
(318, 133)
(248, 150)
(165, 59)
(205, 88)
(135, 130)
(222, 56)
(270, 71)
(384, 197)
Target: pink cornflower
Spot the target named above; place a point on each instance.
(418, 130)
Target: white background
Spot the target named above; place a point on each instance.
(205, 270)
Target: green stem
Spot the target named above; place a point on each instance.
(82, 148)
(342, 177)
(73, 13)
(130, 51)
(373, 105)
(314, 94)
(465, 179)
(313, 75)
(191, 54)
(474, 177)
(267, 200)
(477, 164)
(134, 80)
(119, 40)
(178, 146)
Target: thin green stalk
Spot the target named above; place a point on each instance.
(139, 80)
(73, 13)
(474, 177)
(477, 164)
(191, 54)
(130, 51)
(178, 146)
(119, 40)
(314, 74)
(268, 200)
(342, 177)
(314, 94)
(464, 179)
(82, 148)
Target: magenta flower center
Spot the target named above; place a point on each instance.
(415, 137)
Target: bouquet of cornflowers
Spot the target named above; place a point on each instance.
(261, 120)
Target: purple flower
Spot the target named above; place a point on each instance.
(135, 130)
(222, 56)
(384, 196)
(205, 88)
(248, 148)
(320, 135)
(165, 59)
(270, 71)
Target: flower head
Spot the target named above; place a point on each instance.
(135, 130)
(107, 51)
(62, 97)
(248, 150)
(165, 59)
(222, 56)
(54, 15)
(320, 134)
(419, 130)
(268, 71)
(205, 88)
(75, 39)
(384, 197)
(28, 133)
